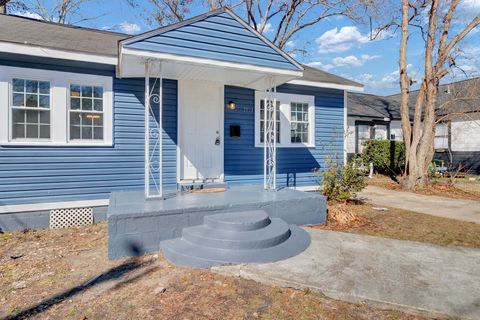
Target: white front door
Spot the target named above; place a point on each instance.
(200, 126)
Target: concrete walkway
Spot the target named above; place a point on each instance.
(466, 210)
(403, 274)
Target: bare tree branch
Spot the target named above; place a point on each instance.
(61, 11)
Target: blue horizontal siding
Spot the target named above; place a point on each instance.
(244, 162)
(48, 174)
(217, 37)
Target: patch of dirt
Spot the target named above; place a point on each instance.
(65, 274)
(405, 225)
(438, 188)
(344, 215)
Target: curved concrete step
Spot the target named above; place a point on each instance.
(183, 252)
(238, 221)
(271, 235)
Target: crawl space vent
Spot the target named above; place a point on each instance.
(66, 218)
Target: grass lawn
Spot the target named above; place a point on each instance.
(65, 274)
(407, 225)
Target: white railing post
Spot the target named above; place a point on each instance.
(154, 157)
(265, 103)
(160, 130)
(274, 136)
(147, 128)
(270, 136)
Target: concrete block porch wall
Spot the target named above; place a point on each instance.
(136, 225)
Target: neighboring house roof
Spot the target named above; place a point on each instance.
(372, 106)
(39, 33)
(316, 75)
(453, 98)
(456, 97)
(28, 31)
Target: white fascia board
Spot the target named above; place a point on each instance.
(326, 85)
(44, 52)
(53, 205)
(207, 62)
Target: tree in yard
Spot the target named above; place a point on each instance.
(61, 11)
(435, 20)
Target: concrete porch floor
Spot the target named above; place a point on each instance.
(137, 225)
(408, 275)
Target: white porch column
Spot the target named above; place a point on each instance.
(147, 128)
(270, 136)
(153, 152)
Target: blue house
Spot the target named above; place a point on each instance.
(86, 112)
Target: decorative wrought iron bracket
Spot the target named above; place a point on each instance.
(270, 136)
(153, 132)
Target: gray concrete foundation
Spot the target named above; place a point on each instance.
(137, 225)
(38, 219)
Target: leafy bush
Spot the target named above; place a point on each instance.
(341, 182)
(388, 157)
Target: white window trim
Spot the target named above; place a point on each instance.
(59, 100)
(285, 108)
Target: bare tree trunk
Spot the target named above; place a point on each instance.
(405, 93)
(3, 6)
(419, 136)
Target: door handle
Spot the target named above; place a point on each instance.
(217, 141)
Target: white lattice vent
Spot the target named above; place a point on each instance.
(66, 218)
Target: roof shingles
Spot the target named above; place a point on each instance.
(34, 32)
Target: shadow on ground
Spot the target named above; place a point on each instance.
(111, 274)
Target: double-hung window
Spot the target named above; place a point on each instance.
(299, 122)
(294, 120)
(30, 109)
(364, 133)
(441, 136)
(86, 112)
(55, 108)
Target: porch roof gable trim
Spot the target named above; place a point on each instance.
(209, 62)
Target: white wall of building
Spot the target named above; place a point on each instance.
(350, 135)
(465, 135)
(396, 129)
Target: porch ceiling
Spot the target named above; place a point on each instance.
(132, 64)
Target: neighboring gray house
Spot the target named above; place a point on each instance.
(457, 135)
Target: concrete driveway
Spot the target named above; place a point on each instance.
(403, 274)
(460, 209)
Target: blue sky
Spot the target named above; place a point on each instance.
(336, 45)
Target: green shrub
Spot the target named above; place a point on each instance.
(341, 182)
(388, 157)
